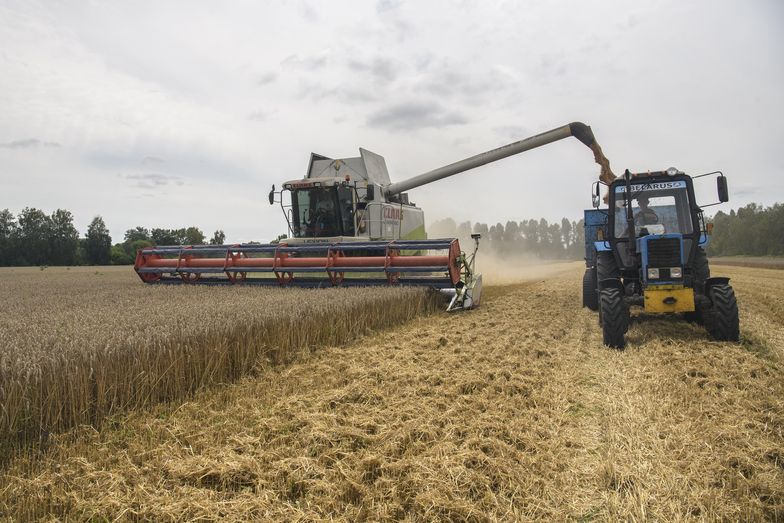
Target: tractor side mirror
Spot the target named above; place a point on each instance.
(596, 196)
(272, 195)
(721, 187)
(371, 193)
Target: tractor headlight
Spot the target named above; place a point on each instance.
(676, 272)
(653, 274)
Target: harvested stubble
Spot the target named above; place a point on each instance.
(512, 412)
(78, 344)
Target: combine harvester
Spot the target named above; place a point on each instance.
(350, 225)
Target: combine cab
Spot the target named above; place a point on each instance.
(647, 250)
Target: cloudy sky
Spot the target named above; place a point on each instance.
(170, 114)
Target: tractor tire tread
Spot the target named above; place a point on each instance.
(721, 320)
(606, 267)
(615, 318)
(701, 270)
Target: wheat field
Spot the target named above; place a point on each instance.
(512, 412)
(80, 344)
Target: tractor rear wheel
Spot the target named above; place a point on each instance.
(615, 317)
(721, 320)
(590, 289)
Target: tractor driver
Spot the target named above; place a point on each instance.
(646, 215)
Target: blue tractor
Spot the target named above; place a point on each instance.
(646, 249)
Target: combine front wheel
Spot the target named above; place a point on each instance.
(150, 277)
(190, 277)
(615, 318)
(721, 320)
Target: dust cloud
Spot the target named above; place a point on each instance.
(505, 270)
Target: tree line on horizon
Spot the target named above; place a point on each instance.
(534, 238)
(752, 230)
(39, 239)
(34, 238)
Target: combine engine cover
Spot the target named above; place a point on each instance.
(437, 264)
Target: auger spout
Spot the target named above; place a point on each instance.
(578, 130)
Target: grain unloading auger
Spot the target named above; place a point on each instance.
(350, 225)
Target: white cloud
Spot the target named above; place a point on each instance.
(233, 98)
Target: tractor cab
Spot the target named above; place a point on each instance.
(654, 224)
(647, 250)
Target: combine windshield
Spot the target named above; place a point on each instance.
(658, 208)
(322, 212)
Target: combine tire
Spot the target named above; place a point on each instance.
(615, 318)
(721, 320)
(590, 289)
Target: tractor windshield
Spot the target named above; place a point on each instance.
(658, 208)
(322, 212)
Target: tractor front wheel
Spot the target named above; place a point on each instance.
(614, 317)
(590, 290)
(606, 267)
(700, 273)
(721, 320)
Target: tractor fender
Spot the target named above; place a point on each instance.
(611, 283)
(718, 280)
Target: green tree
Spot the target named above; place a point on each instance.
(218, 238)
(512, 238)
(33, 237)
(137, 233)
(577, 247)
(119, 256)
(164, 237)
(566, 233)
(132, 248)
(753, 231)
(99, 243)
(63, 238)
(193, 236)
(446, 228)
(8, 234)
(81, 252)
(496, 236)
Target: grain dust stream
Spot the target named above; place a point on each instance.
(511, 412)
